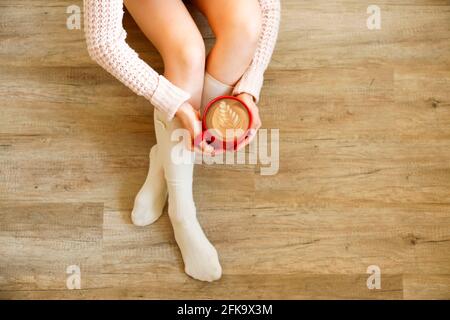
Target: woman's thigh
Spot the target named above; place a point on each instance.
(224, 13)
(166, 23)
(171, 29)
(237, 26)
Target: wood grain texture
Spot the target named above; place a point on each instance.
(364, 179)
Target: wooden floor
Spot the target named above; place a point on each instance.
(364, 119)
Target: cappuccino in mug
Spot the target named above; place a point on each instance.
(226, 121)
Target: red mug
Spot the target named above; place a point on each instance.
(226, 123)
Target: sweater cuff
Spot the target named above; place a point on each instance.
(251, 83)
(167, 97)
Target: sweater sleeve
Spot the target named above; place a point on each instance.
(105, 38)
(253, 78)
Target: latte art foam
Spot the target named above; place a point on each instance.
(228, 114)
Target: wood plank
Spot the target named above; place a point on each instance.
(38, 241)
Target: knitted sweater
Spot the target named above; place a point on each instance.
(105, 37)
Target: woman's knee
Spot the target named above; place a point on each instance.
(187, 56)
(243, 26)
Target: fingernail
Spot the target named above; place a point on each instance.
(250, 133)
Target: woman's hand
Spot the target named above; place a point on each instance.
(256, 123)
(190, 120)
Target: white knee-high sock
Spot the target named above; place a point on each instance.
(212, 89)
(200, 257)
(150, 201)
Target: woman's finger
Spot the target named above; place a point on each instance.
(251, 134)
(208, 149)
(204, 148)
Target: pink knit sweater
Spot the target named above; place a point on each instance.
(105, 37)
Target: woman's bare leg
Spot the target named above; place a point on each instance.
(171, 29)
(236, 25)
(168, 25)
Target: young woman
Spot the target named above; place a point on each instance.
(246, 32)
